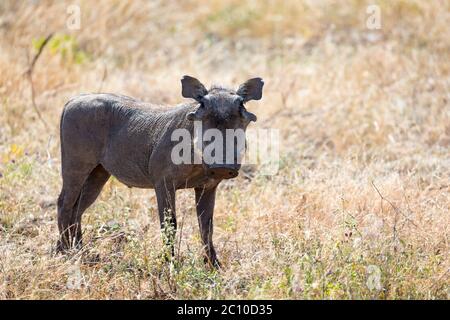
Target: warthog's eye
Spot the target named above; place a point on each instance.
(197, 114)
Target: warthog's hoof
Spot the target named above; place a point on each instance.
(63, 248)
(214, 262)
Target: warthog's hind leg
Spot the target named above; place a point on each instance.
(70, 213)
(67, 201)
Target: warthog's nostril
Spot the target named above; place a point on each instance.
(230, 173)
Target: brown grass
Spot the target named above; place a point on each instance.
(364, 178)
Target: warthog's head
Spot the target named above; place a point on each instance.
(223, 119)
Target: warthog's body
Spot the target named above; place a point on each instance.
(106, 134)
(129, 138)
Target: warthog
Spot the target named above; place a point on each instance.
(108, 134)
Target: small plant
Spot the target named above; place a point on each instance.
(168, 236)
(66, 46)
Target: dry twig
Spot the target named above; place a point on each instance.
(29, 74)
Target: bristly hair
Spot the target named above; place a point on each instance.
(218, 88)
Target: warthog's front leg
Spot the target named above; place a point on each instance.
(165, 195)
(205, 199)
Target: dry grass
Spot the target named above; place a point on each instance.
(364, 177)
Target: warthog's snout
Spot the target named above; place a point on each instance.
(223, 171)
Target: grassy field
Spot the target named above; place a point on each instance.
(359, 208)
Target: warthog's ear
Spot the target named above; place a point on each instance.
(251, 89)
(192, 88)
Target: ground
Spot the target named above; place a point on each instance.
(359, 208)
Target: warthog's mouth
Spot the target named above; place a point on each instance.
(222, 172)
